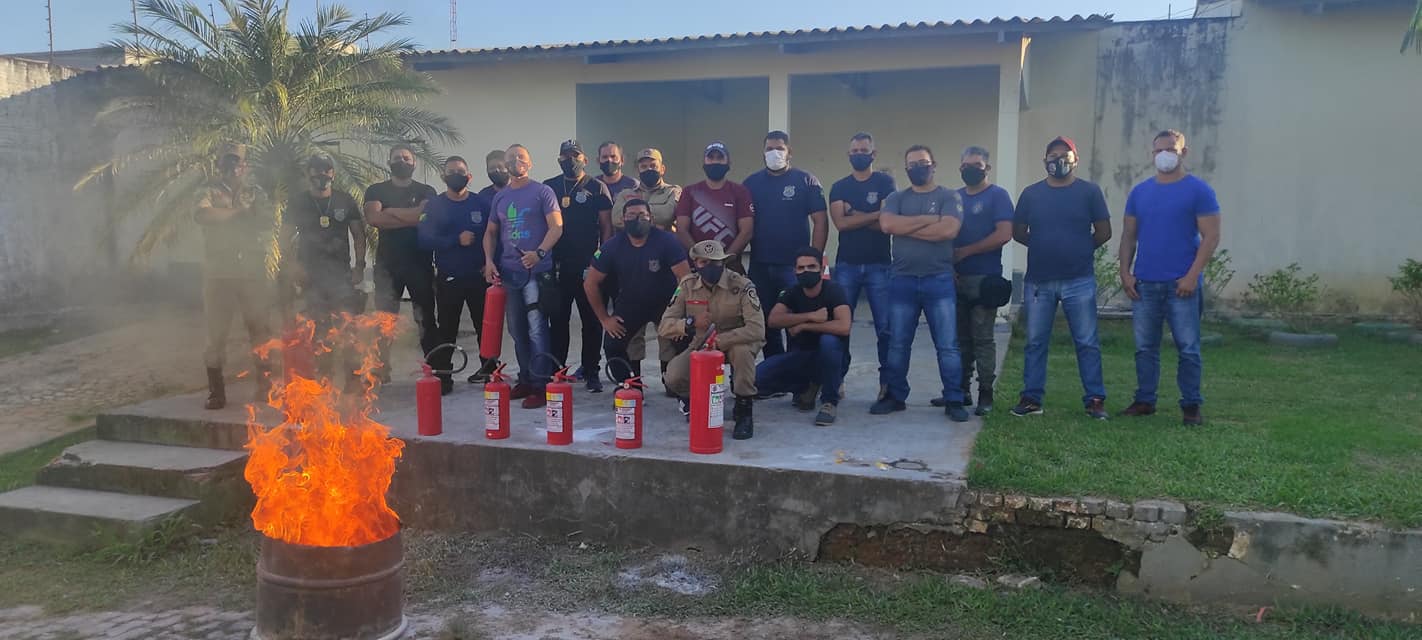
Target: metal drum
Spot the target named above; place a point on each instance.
(326, 593)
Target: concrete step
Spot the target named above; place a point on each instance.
(212, 476)
(227, 432)
(82, 517)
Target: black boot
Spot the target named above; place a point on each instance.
(984, 400)
(745, 424)
(216, 392)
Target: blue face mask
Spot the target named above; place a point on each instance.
(711, 273)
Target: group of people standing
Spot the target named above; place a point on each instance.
(618, 247)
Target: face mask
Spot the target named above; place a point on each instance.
(861, 161)
(716, 171)
(320, 183)
(1058, 168)
(500, 178)
(1166, 161)
(711, 273)
(610, 168)
(639, 227)
(456, 181)
(807, 279)
(776, 159)
(920, 175)
(401, 170)
(650, 178)
(973, 176)
(571, 168)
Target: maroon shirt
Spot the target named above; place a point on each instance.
(715, 212)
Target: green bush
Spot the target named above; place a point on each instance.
(1409, 283)
(1108, 276)
(1218, 275)
(1285, 294)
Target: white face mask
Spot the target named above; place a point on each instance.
(1166, 161)
(775, 159)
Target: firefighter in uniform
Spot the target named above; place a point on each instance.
(714, 295)
(237, 229)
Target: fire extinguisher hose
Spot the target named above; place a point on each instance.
(463, 358)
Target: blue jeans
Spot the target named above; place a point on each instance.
(770, 280)
(1078, 302)
(795, 369)
(1159, 303)
(934, 296)
(529, 329)
(873, 279)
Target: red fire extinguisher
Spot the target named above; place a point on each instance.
(496, 405)
(627, 413)
(560, 408)
(708, 397)
(429, 411)
(491, 340)
(298, 356)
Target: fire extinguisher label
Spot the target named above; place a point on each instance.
(555, 413)
(626, 419)
(716, 405)
(491, 410)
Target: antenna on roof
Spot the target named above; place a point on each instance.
(453, 24)
(49, 18)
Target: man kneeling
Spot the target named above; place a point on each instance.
(815, 312)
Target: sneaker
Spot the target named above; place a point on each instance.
(478, 377)
(594, 384)
(534, 401)
(805, 400)
(825, 417)
(768, 396)
(940, 402)
(1192, 415)
(1027, 407)
(886, 406)
(984, 402)
(1138, 409)
(520, 391)
(956, 412)
(1096, 409)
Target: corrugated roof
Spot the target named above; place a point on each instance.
(798, 36)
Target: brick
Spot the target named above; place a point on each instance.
(1065, 505)
(1093, 506)
(1146, 512)
(967, 498)
(990, 499)
(1000, 515)
(1039, 504)
(977, 526)
(1165, 510)
(979, 514)
(1014, 502)
(1078, 522)
(1118, 510)
(1040, 518)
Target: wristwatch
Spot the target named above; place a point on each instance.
(541, 253)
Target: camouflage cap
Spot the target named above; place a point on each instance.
(649, 152)
(708, 250)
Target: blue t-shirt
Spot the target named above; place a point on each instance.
(865, 245)
(614, 188)
(1059, 220)
(1167, 236)
(522, 216)
(643, 274)
(981, 213)
(783, 205)
(440, 225)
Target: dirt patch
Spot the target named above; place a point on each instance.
(501, 623)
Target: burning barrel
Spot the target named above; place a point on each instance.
(325, 593)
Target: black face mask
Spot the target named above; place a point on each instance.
(1058, 168)
(610, 168)
(973, 176)
(716, 171)
(920, 175)
(320, 183)
(639, 227)
(711, 273)
(499, 178)
(456, 181)
(571, 168)
(808, 279)
(861, 161)
(401, 170)
(650, 178)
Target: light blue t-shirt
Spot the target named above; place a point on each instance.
(1167, 233)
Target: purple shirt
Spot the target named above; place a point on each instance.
(522, 217)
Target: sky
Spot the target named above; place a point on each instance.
(80, 24)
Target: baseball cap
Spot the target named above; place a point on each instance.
(708, 250)
(570, 146)
(717, 146)
(1070, 144)
(650, 153)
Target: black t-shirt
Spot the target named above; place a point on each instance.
(400, 245)
(581, 202)
(794, 298)
(323, 242)
(643, 274)
(865, 245)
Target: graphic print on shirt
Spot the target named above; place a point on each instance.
(518, 222)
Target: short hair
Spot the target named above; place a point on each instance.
(518, 146)
(402, 147)
(973, 150)
(809, 252)
(455, 159)
(921, 147)
(635, 202)
(320, 162)
(861, 136)
(497, 155)
(1172, 134)
(778, 135)
(608, 143)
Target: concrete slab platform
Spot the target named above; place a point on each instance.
(64, 515)
(148, 456)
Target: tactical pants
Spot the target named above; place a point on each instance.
(741, 357)
(976, 342)
(223, 299)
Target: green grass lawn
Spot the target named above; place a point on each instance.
(1327, 433)
(18, 468)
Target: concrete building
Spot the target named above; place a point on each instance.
(1298, 112)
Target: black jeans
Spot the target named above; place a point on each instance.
(452, 296)
(570, 287)
(392, 280)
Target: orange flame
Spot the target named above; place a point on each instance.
(321, 476)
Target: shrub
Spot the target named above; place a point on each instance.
(1218, 275)
(1285, 294)
(1409, 283)
(1108, 275)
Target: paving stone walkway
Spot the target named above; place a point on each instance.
(190, 623)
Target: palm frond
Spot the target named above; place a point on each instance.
(1413, 37)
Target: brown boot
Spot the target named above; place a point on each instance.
(216, 392)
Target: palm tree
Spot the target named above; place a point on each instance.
(1413, 37)
(252, 80)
